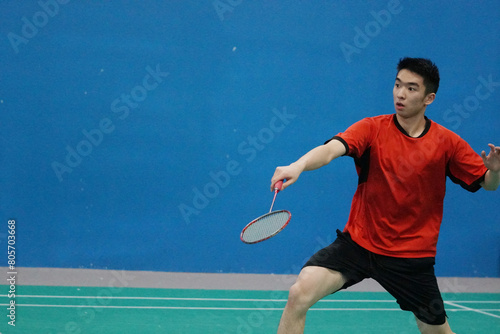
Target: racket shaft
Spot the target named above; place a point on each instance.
(277, 188)
(274, 199)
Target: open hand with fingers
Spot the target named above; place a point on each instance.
(492, 160)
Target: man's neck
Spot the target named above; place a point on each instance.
(414, 126)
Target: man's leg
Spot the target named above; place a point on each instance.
(312, 284)
(434, 329)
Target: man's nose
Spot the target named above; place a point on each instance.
(400, 93)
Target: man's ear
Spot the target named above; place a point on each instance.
(429, 98)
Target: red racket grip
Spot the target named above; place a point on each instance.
(278, 185)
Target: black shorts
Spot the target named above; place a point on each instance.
(411, 281)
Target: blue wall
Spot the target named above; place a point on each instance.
(142, 135)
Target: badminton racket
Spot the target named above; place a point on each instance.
(268, 225)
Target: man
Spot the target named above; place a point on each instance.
(402, 161)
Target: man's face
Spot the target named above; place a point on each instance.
(409, 95)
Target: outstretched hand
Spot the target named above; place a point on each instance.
(492, 160)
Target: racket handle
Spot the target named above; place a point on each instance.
(278, 185)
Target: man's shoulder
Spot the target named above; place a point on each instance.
(443, 131)
(378, 120)
(381, 118)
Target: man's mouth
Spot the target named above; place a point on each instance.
(399, 105)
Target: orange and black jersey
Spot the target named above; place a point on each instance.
(398, 206)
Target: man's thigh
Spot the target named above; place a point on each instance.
(343, 256)
(314, 283)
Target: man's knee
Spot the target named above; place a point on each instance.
(298, 297)
(313, 284)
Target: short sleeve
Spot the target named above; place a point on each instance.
(357, 137)
(466, 167)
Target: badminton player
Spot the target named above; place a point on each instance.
(402, 161)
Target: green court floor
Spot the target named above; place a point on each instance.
(71, 310)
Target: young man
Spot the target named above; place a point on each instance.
(402, 161)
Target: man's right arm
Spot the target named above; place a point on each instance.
(314, 159)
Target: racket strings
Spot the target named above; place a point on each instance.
(266, 226)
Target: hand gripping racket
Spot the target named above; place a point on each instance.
(268, 225)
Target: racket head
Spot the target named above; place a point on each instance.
(265, 226)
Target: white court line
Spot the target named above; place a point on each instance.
(154, 298)
(476, 301)
(202, 308)
(460, 309)
(204, 299)
(473, 310)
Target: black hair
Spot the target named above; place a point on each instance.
(423, 67)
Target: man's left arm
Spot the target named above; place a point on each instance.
(492, 162)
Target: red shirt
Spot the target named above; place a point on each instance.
(398, 206)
